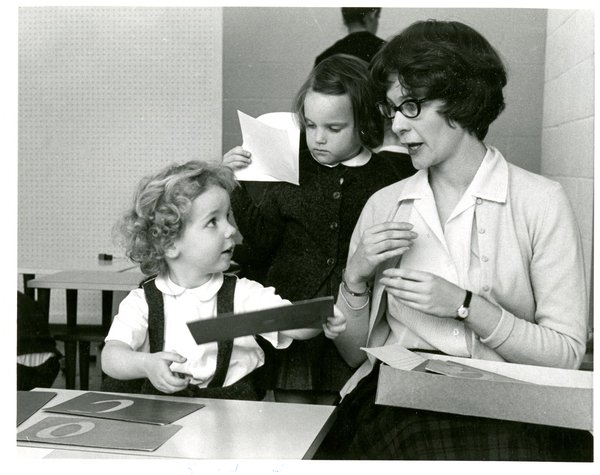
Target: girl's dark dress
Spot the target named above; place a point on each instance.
(300, 235)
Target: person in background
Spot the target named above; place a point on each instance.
(362, 24)
(303, 232)
(180, 231)
(361, 41)
(393, 149)
(472, 257)
(38, 359)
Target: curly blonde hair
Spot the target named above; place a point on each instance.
(160, 207)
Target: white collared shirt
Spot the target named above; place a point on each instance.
(183, 305)
(449, 250)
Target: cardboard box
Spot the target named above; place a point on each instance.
(548, 396)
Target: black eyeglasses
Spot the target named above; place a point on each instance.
(410, 108)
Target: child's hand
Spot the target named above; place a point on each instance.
(335, 325)
(237, 158)
(159, 374)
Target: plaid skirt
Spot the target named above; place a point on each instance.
(364, 430)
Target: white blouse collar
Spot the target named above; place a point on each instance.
(204, 292)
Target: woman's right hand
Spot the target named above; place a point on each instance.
(377, 244)
(237, 158)
(158, 371)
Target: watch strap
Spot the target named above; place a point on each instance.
(463, 311)
(467, 300)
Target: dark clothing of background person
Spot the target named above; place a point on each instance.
(362, 44)
(33, 336)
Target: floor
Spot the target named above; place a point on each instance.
(95, 371)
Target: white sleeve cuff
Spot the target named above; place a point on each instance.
(502, 330)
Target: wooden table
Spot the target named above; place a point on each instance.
(223, 429)
(107, 280)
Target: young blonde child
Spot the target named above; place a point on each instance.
(303, 232)
(180, 231)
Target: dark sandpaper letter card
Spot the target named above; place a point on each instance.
(125, 408)
(99, 433)
(302, 314)
(29, 402)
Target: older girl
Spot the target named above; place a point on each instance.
(303, 232)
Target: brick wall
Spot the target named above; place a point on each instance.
(568, 116)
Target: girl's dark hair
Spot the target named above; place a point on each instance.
(450, 61)
(344, 74)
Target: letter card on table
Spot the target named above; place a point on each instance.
(125, 408)
(29, 402)
(99, 433)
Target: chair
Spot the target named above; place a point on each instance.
(79, 339)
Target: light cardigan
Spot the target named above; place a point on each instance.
(531, 267)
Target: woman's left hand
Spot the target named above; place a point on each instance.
(423, 291)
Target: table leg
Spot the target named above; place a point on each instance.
(107, 303)
(84, 365)
(26, 290)
(71, 346)
(44, 301)
(70, 363)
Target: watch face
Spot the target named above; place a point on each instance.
(462, 312)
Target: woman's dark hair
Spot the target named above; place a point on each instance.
(344, 74)
(450, 61)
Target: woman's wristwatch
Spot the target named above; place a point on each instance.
(463, 311)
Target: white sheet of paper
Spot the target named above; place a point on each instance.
(396, 356)
(273, 139)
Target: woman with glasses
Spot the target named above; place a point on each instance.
(471, 257)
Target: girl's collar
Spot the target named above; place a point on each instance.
(204, 292)
(359, 160)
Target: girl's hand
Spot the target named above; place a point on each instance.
(336, 324)
(237, 158)
(377, 244)
(424, 291)
(158, 372)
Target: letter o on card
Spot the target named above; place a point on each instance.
(80, 427)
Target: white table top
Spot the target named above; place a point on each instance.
(89, 280)
(223, 429)
(52, 265)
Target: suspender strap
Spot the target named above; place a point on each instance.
(225, 348)
(156, 322)
(156, 315)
